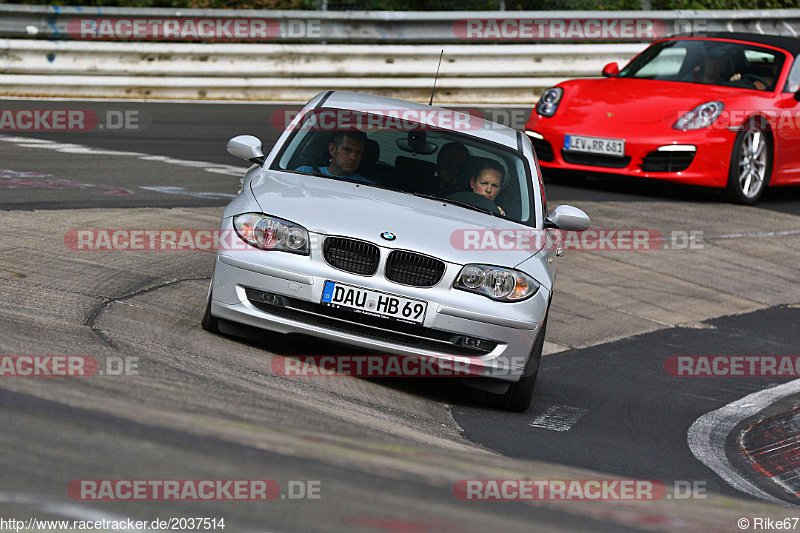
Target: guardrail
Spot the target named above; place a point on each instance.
(469, 73)
(53, 22)
(67, 51)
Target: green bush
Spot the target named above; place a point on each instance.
(202, 4)
(724, 4)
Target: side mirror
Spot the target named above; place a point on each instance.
(567, 218)
(797, 96)
(248, 148)
(612, 69)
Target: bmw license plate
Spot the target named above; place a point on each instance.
(373, 303)
(594, 145)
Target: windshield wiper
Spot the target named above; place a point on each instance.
(317, 174)
(455, 202)
(419, 194)
(333, 176)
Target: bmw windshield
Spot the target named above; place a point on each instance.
(412, 157)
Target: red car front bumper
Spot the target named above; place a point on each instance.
(707, 166)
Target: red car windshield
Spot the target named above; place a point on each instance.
(708, 62)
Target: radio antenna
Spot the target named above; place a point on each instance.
(436, 78)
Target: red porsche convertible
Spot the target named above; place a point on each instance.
(721, 110)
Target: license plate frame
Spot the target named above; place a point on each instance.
(594, 145)
(373, 303)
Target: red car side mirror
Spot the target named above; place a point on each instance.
(610, 70)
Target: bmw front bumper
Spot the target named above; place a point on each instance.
(281, 292)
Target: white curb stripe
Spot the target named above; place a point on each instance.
(708, 434)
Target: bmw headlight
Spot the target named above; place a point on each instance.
(497, 283)
(271, 233)
(701, 116)
(548, 103)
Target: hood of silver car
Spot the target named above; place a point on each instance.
(334, 207)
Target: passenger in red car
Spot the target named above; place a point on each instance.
(768, 81)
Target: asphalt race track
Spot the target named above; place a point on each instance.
(170, 401)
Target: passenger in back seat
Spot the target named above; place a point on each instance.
(450, 167)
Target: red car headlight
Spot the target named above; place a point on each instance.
(700, 117)
(548, 104)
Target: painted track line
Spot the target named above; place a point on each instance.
(71, 148)
(559, 418)
(708, 434)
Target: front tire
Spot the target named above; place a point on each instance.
(751, 164)
(519, 395)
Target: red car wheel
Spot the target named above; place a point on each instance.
(751, 163)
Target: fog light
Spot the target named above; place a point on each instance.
(472, 342)
(264, 297)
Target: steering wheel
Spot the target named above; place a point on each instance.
(755, 77)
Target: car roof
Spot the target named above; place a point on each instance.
(790, 44)
(383, 105)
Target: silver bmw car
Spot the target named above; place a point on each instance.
(400, 228)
